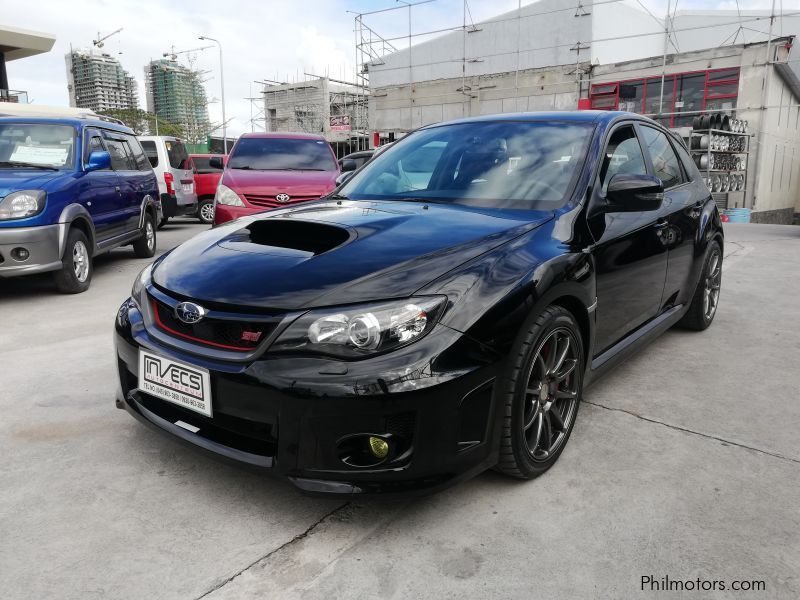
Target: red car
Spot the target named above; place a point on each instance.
(206, 178)
(273, 170)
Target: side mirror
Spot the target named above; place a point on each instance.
(348, 164)
(216, 163)
(634, 193)
(343, 177)
(98, 161)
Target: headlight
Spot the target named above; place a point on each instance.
(227, 196)
(22, 204)
(359, 331)
(139, 285)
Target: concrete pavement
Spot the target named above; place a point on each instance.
(684, 463)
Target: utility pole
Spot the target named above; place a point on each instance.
(222, 86)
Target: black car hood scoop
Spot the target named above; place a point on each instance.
(287, 236)
(330, 253)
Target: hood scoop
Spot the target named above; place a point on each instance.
(286, 237)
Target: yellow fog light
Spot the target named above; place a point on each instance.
(379, 447)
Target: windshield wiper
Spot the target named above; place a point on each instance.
(337, 197)
(8, 163)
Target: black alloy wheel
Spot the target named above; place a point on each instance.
(541, 404)
(705, 301)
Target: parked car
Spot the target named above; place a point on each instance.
(71, 188)
(206, 179)
(170, 161)
(272, 170)
(439, 315)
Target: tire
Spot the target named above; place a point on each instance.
(548, 412)
(145, 246)
(205, 211)
(163, 222)
(75, 274)
(700, 314)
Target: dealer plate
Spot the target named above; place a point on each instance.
(175, 381)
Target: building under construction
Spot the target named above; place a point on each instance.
(98, 82)
(176, 94)
(332, 108)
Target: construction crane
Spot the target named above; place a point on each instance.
(99, 42)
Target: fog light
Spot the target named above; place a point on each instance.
(379, 447)
(20, 254)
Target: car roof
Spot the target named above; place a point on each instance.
(73, 122)
(605, 117)
(202, 155)
(360, 153)
(285, 135)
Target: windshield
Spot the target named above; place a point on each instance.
(496, 164)
(32, 145)
(282, 154)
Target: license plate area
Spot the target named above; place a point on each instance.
(176, 382)
(187, 188)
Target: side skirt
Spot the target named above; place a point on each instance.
(627, 345)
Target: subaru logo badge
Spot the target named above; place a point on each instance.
(189, 312)
(283, 198)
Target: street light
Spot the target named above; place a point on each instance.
(222, 86)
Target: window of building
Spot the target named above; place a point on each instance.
(665, 163)
(690, 93)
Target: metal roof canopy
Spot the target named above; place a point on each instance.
(16, 43)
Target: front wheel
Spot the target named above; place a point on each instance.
(75, 274)
(145, 246)
(542, 389)
(205, 211)
(704, 303)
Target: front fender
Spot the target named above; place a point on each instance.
(69, 214)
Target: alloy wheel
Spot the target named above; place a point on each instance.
(713, 281)
(551, 396)
(207, 212)
(150, 234)
(80, 261)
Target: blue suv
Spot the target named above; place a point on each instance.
(69, 190)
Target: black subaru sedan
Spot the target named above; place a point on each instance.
(438, 315)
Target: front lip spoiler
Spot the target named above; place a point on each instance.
(150, 418)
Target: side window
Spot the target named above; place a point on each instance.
(689, 168)
(119, 157)
(623, 155)
(94, 143)
(139, 158)
(665, 163)
(151, 152)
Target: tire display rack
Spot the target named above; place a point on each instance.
(721, 155)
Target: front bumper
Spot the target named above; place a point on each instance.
(224, 212)
(287, 416)
(42, 244)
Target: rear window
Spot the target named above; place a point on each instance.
(151, 152)
(282, 154)
(202, 164)
(178, 157)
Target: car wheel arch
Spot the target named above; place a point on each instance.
(75, 215)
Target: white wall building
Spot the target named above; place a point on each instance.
(611, 55)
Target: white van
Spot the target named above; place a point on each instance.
(171, 163)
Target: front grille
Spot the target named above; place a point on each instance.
(271, 202)
(238, 335)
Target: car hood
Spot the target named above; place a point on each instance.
(331, 253)
(268, 183)
(12, 180)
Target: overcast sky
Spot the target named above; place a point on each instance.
(261, 39)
